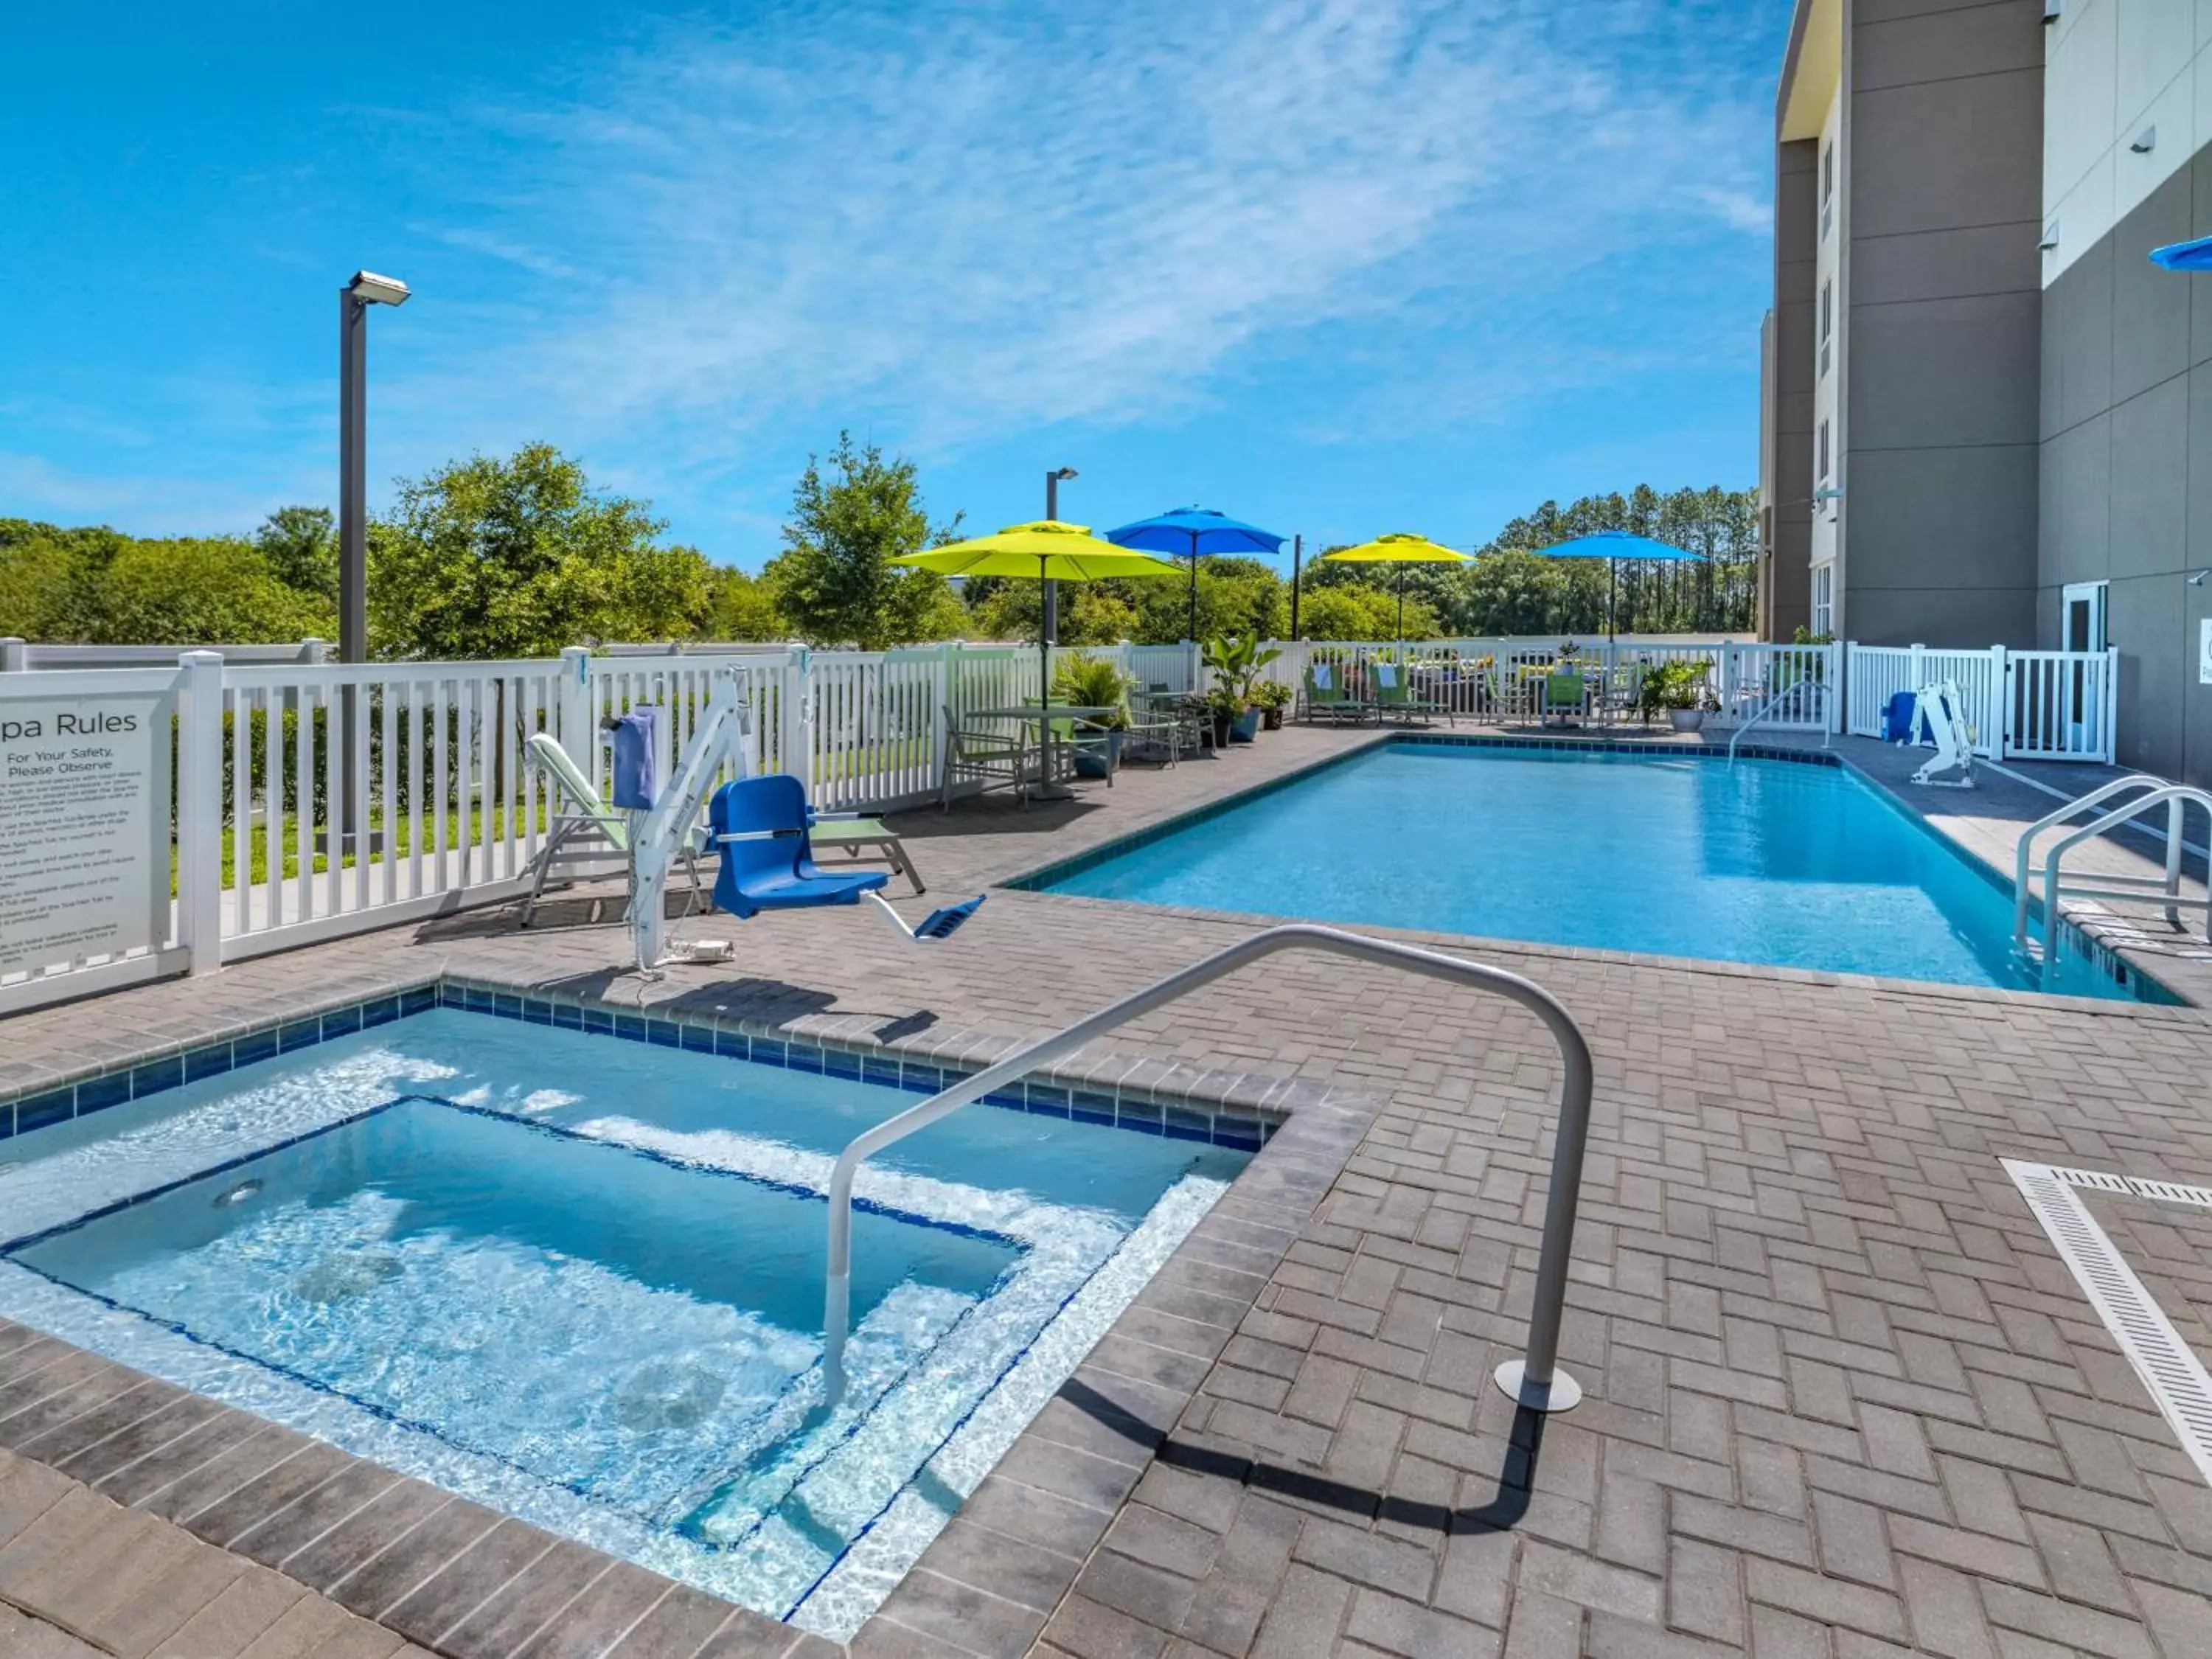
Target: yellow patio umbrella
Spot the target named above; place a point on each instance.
(1400, 548)
(1045, 550)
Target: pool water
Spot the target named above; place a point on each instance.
(582, 1279)
(1777, 862)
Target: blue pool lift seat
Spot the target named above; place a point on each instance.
(761, 826)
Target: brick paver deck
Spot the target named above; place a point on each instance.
(1843, 1398)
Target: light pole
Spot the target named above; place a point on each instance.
(366, 289)
(1052, 589)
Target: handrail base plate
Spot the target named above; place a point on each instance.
(1561, 1393)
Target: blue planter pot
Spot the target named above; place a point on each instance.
(1245, 727)
(1099, 755)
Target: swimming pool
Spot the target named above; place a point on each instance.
(1786, 863)
(580, 1280)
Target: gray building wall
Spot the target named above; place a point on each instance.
(1940, 321)
(1786, 445)
(2127, 466)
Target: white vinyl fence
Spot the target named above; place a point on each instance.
(310, 799)
(2023, 705)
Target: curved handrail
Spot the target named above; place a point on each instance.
(2181, 795)
(1534, 1380)
(1771, 705)
(2023, 853)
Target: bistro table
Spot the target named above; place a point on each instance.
(1044, 717)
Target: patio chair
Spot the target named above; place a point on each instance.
(975, 753)
(1327, 696)
(1394, 695)
(1158, 730)
(1565, 695)
(855, 834)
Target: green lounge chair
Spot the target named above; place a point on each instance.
(1327, 697)
(854, 834)
(1394, 694)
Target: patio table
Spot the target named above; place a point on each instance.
(1044, 717)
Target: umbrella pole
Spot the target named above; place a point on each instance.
(1192, 632)
(1612, 580)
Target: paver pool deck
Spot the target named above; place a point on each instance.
(1843, 1398)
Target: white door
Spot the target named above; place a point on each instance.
(2082, 630)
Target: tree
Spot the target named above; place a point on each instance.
(744, 607)
(193, 590)
(518, 557)
(301, 550)
(1354, 610)
(1091, 613)
(836, 580)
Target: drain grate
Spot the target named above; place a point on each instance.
(2168, 1366)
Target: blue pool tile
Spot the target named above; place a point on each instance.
(1138, 1115)
(299, 1034)
(1182, 1132)
(1237, 1142)
(598, 1019)
(95, 1094)
(150, 1079)
(339, 1021)
(254, 1046)
(382, 1012)
(7, 1120)
(505, 1006)
(885, 1071)
(1088, 1107)
(39, 1110)
(664, 1033)
(767, 1051)
(567, 1016)
(212, 1060)
(839, 1062)
(804, 1057)
(699, 1039)
(536, 1012)
(1014, 1096)
(922, 1079)
(629, 1028)
(420, 1000)
(735, 1044)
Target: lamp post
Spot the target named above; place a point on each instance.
(1052, 589)
(366, 289)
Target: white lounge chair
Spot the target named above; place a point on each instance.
(585, 829)
(1939, 712)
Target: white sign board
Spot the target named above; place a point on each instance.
(84, 827)
(2204, 652)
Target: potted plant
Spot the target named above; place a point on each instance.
(1095, 683)
(1677, 687)
(1233, 701)
(1272, 697)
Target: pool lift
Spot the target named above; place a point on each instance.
(760, 826)
(1939, 712)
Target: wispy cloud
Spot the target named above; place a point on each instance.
(969, 221)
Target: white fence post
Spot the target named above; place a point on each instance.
(1838, 689)
(14, 656)
(2109, 733)
(799, 719)
(575, 729)
(199, 811)
(1995, 722)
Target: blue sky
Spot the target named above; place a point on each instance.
(1337, 266)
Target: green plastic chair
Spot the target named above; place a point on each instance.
(1564, 695)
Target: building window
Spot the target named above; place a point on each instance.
(1823, 599)
(1828, 320)
(1820, 465)
(1827, 189)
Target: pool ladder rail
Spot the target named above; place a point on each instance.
(1533, 1381)
(1786, 694)
(2144, 793)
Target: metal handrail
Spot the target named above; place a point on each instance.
(2024, 850)
(1771, 705)
(1534, 1380)
(2125, 887)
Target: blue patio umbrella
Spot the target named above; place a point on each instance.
(2184, 256)
(1614, 546)
(1193, 532)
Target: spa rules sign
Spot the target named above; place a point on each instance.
(84, 826)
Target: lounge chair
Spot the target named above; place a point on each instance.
(764, 829)
(856, 834)
(1394, 694)
(585, 829)
(1565, 696)
(1327, 697)
(979, 753)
